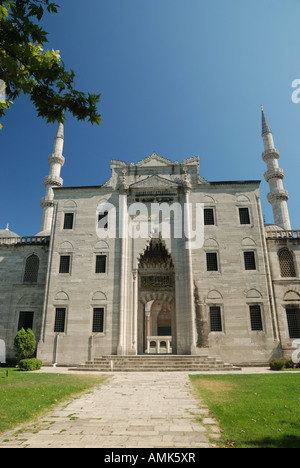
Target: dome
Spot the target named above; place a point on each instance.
(273, 227)
(43, 234)
(6, 233)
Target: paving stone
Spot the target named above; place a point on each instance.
(137, 410)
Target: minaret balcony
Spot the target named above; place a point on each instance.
(53, 180)
(46, 203)
(274, 174)
(56, 158)
(271, 153)
(282, 195)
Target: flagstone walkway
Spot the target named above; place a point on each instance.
(130, 410)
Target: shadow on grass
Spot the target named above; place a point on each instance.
(276, 442)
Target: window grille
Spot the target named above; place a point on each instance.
(244, 215)
(286, 261)
(64, 266)
(249, 258)
(209, 218)
(293, 319)
(101, 264)
(98, 320)
(31, 269)
(212, 261)
(60, 319)
(256, 319)
(215, 319)
(69, 220)
(25, 320)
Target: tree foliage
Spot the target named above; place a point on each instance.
(25, 67)
(25, 343)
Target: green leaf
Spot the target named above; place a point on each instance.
(29, 69)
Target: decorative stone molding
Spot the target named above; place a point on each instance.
(292, 295)
(47, 203)
(153, 160)
(253, 294)
(56, 158)
(274, 174)
(155, 182)
(62, 296)
(271, 153)
(278, 195)
(53, 181)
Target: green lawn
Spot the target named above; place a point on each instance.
(254, 411)
(26, 395)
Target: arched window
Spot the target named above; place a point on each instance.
(286, 261)
(31, 269)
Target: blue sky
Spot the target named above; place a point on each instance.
(176, 77)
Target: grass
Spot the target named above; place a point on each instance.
(25, 396)
(253, 411)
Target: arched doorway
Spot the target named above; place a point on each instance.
(157, 314)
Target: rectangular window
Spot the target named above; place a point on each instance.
(100, 264)
(209, 218)
(25, 320)
(293, 319)
(256, 319)
(60, 319)
(244, 215)
(64, 266)
(103, 220)
(212, 261)
(215, 319)
(69, 220)
(249, 258)
(98, 320)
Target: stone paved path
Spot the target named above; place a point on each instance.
(137, 410)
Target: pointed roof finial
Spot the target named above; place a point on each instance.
(7, 227)
(265, 125)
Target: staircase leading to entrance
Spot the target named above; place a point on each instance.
(155, 363)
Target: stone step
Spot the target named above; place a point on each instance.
(155, 363)
(160, 358)
(154, 366)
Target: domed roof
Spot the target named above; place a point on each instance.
(273, 227)
(43, 234)
(6, 233)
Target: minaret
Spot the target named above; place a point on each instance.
(56, 161)
(278, 197)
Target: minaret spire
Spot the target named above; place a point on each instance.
(265, 126)
(56, 161)
(278, 197)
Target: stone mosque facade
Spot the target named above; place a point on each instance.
(155, 261)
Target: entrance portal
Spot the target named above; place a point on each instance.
(157, 317)
(158, 327)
